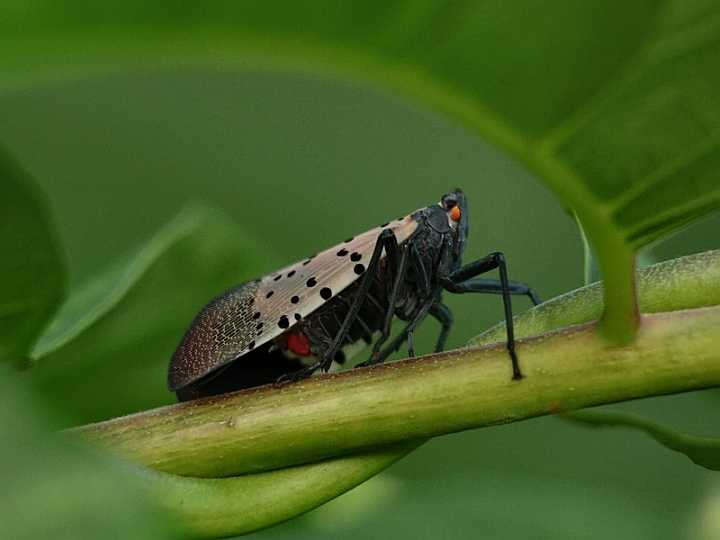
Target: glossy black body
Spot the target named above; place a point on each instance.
(403, 281)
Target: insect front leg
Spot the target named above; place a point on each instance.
(456, 283)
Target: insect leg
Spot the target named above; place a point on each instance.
(386, 238)
(410, 328)
(443, 314)
(406, 334)
(367, 333)
(454, 283)
(397, 282)
(494, 286)
(388, 242)
(420, 270)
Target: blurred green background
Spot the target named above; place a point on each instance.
(301, 162)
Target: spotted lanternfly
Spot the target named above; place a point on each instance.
(290, 323)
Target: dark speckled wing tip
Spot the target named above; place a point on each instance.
(221, 332)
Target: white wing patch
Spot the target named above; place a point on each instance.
(291, 294)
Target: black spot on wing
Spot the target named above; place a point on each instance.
(359, 269)
(311, 282)
(295, 299)
(355, 257)
(283, 322)
(326, 293)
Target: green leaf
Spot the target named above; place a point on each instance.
(703, 451)
(32, 270)
(611, 104)
(56, 488)
(106, 353)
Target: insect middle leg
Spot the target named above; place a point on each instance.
(445, 317)
(494, 286)
(457, 282)
(430, 292)
(405, 335)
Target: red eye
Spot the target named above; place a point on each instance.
(455, 213)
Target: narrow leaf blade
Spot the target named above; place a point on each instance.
(703, 451)
(107, 352)
(32, 270)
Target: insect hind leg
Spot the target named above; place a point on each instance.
(396, 276)
(386, 240)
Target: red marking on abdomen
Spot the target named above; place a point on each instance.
(298, 343)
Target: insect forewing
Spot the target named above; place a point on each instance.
(256, 312)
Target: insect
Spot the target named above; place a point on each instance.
(302, 318)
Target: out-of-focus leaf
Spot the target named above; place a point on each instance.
(611, 103)
(32, 272)
(106, 353)
(703, 451)
(707, 525)
(102, 294)
(56, 488)
(591, 271)
(220, 507)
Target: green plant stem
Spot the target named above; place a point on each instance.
(269, 428)
(616, 258)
